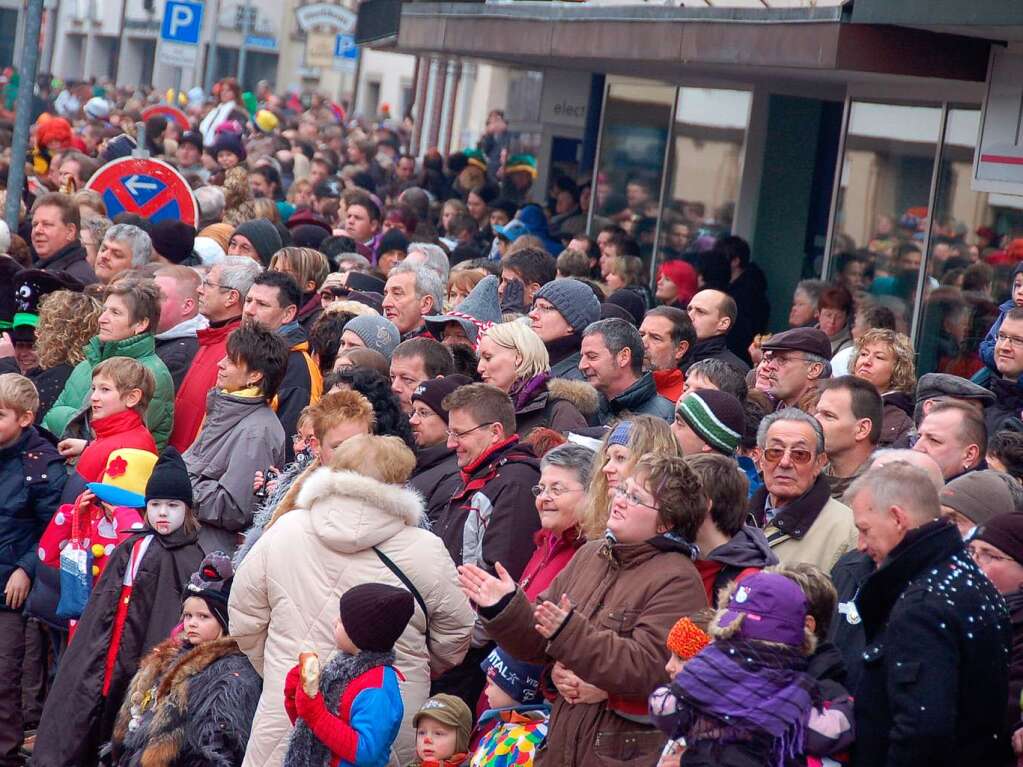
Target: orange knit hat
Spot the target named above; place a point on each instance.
(686, 639)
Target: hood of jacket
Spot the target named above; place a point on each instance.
(136, 347)
(579, 393)
(351, 512)
(225, 411)
(187, 329)
(747, 548)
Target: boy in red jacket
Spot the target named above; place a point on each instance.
(356, 709)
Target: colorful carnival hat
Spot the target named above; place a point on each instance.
(476, 157)
(521, 163)
(124, 478)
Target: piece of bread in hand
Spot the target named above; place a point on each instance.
(309, 662)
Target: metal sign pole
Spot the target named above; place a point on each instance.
(243, 51)
(23, 112)
(211, 53)
(141, 151)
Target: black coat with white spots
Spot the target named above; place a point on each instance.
(935, 674)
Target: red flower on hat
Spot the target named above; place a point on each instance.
(117, 467)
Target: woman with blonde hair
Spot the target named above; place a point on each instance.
(460, 285)
(885, 358)
(514, 359)
(309, 267)
(354, 522)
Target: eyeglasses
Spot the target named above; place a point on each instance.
(545, 308)
(980, 556)
(459, 434)
(798, 455)
(554, 491)
(632, 499)
(1014, 341)
(422, 415)
(780, 360)
(207, 284)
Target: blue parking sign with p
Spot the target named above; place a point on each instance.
(182, 22)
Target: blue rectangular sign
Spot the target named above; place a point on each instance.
(182, 22)
(345, 47)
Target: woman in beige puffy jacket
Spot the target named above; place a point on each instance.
(285, 594)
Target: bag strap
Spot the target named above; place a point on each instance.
(389, 564)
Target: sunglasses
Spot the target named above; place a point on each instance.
(798, 455)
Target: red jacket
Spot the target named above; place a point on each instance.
(552, 553)
(669, 383)
(190, 403)
(114, 432)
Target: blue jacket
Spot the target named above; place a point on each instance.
(32, 476)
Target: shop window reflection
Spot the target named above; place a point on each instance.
(708, 137)
(881, 210)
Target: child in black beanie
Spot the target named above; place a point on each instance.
(351, 711)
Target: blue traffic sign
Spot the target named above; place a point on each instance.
(345, 47)
(182, 22)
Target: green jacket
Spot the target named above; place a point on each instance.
(75, 396)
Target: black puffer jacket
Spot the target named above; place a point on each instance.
(936, 666)
(436, 477)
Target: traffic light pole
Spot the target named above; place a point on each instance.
(23, 112)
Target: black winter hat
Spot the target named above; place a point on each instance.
(393, 239)
(172, 239)
(29, 286)
(308, 236)
(630, 301)
(169, 480)
(191, 137)
(264, 238)
(212, 584)
(432, 392)
(375, 615)
(8, 268)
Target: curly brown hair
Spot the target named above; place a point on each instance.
(67, 321)
(682, 505)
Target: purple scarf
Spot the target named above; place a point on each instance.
(523, 391)
(750, 688)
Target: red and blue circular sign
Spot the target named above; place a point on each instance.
(168, 111)
(149, 188)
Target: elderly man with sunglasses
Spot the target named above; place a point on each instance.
(801, 520)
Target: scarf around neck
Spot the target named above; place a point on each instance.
(750, 687)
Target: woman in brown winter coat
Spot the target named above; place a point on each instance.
(606, 615)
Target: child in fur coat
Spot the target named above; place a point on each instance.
(194, 696)
(355, 714)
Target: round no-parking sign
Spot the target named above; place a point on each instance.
(150, 188)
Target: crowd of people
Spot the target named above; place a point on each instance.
(382, 463)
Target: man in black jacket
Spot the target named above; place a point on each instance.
(713, 314)
(55, 227)
(935, 675)
(436, 475)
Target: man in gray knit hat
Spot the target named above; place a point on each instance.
(562, 309)
(371, 332)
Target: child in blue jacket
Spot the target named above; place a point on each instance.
(355, 714)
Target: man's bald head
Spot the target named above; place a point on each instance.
(913, 458)
(713, 313)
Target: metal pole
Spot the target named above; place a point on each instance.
(246, 28)
(176, 93)
(211, 52)
(23, 112)
(353, 108)
(141, 151)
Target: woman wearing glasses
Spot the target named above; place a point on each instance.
(607, 613)
(997, 548)
(514, 359)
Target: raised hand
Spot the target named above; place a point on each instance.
(483, 589)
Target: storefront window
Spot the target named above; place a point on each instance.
(633, 141)
(706, 168)
(881, 211)
(967, 264)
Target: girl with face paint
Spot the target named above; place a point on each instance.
(135, 604)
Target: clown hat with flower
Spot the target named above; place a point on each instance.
(124, 479)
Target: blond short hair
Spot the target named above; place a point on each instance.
(385, 459)
(337, 408)
(310, 265)
(522, 339)
(127, 374)
(18, 393)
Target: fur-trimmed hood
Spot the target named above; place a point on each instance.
(351, 512)
(579, 393)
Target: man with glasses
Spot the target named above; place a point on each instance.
(1006, 384)
(934, 683)
(436, 475)
(803, 523)
(491, 517)
(794, 361)
(221, 298)
(562, 309)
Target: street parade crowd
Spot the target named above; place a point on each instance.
(398, 460)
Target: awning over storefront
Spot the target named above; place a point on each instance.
(659, 41)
